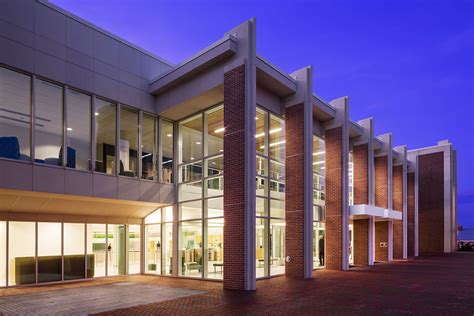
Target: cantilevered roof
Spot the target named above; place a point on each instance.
(19, 201)
(322, 111)
(378, 144)
(355, 129)
(273, 79)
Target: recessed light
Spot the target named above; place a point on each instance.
(221, 150)
(69, 129)
(192, 158)
(96, 113)
(198, 143)
(219, 130)
(169, 135)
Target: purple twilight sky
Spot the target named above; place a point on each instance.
(409, 64)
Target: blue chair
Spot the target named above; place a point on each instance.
(9, 147)
(71, 157)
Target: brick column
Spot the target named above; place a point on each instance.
(237, 199)
(294, 190)
(411, 213)
(397, 185)
(381, 200)
(361, 196)
(431, 203)
(334, 203)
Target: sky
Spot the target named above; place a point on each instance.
(407, 63)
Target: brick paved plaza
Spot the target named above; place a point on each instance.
(426, 285)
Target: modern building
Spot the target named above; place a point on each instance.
(114, 161)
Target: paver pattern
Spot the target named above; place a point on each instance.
(432, 285)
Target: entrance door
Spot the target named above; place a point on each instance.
(116, 250)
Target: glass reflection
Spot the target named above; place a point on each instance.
(105, 114)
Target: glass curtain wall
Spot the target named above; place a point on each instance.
(74, 251)
(128, 142)
(3, 253)
(149, 147)
(49, 252)
(96, 250)
(21, 253)
(105, 116)
(201, 191)
(319, 200)
(167, 154)
(159, 241)
(15, 115)
(48, 123)
(116, 249)
(134, 249)
(78, 130)
(270, 201)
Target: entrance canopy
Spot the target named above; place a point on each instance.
(27, 205)
(380, 213)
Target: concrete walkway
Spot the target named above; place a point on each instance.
(435, 285)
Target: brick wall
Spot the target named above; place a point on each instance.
(294, 190)
(334, 199)
(431, 203)
(361, 196)
(381, 235)
(234, 178)
(381, 200)
(361, 241)
(397, 185)
(411, 213)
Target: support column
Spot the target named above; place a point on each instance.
(411, 214)
(361, 196)
(337, 187)
(299, 179)
(381, 200)
(397, 185)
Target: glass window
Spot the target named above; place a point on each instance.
(153, 249)
(22, 249)
(190, 191)
(105, 114)
(149, 144)
(74, 252)
(3, 253)
(277, 252)
(277, 208)
(167, 259)
(261, 166)
(154, 217)
(262, 247)
(49, 123)
(262, 206)
(128, 143)
(318, 244)
(190, 210)
(277, 138)
(49, 252)
(190, 249)
(191, 172)
(215, 130)
(15, 115)
(78, 130)
(351, 178)
(96, 250)
(134, 252)
(319, 156)
(215, 248)
(190, 134)
(261, 135)
(168, 214)
(215, 187)
(167, 151)
(262, 186)
(215, 207)
(116, 249)
(215, 166)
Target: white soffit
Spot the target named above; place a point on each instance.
(371, 210)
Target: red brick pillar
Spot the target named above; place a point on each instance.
(397, 185)
(361, 196)
(431, 203)
(411, 213)
(334, 202)
(381, 200)
(294, 190)
(234, 179)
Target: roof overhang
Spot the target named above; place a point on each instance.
(215, 53)
(28, 202)
(379, 213)
(273, 79)
(322, 111)
(355, 129)
(378, 144)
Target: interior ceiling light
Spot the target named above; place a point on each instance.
(319, 153)
(318, 162)
(198, 143)
(96, 113)
(219, 130)
(69, 129)
(259, 135)
(169, 135)
(275, 130)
